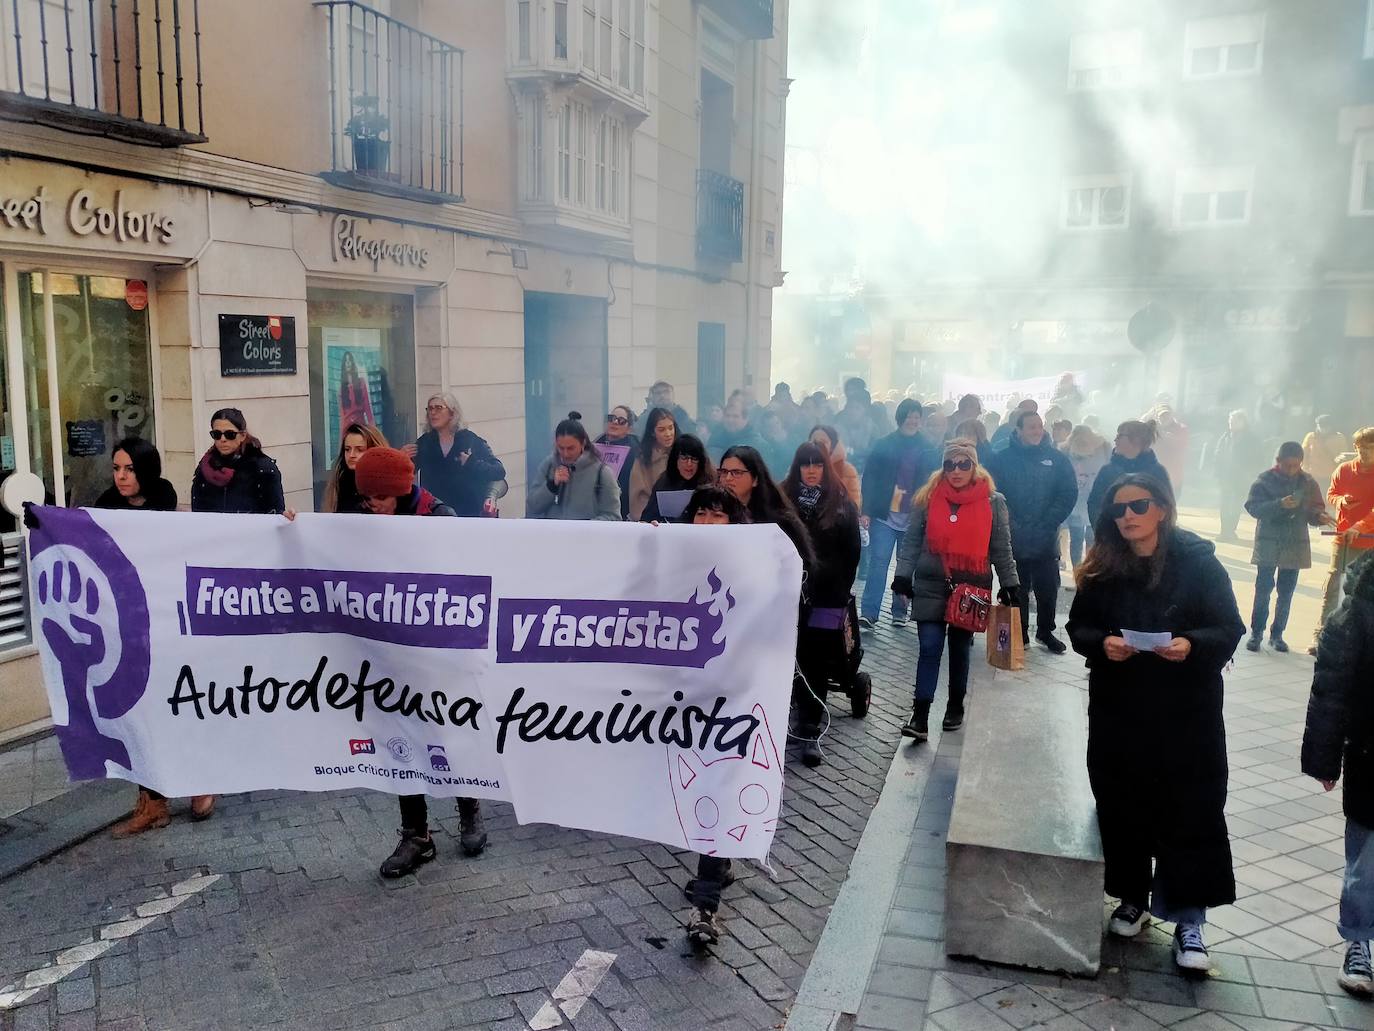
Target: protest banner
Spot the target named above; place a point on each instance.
(615, 678)
(995, 392)
(614, 455)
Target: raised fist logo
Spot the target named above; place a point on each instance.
(93, 616)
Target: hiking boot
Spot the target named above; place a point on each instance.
(472, 832)
(702, 928)
(149, 814)
(1253, 643)
(1127, 920)
(918, 727)
(1054, 644)
(202, 807)
(690, 888)
(411, 853)
(954, 717)
(1190, 954)
(1356, 975)
(811, 754)
(1278, 644)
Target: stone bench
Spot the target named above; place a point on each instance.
(1024, 857)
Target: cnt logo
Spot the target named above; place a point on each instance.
(361, 746)
(437, 759)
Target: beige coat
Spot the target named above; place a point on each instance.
(642, 480)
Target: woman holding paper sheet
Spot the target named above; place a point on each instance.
(689, 467)
(1164, 834)
(651, 461)
(619, 424)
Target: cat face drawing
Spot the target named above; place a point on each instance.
(727, 803)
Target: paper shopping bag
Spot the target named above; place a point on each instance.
(1005, 650)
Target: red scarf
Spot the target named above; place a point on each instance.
(216, 472)
(962, 541)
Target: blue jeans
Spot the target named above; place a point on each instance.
(931, 634)
(882, 542)
(1080, 535)
(1264, 584)
(1357, 893)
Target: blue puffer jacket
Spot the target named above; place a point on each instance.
(1041, 489)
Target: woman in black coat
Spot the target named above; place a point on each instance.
(1143, 574)
(138, 484)
(455, 464)
(235, 475)
(1133, 452)
(832, 525)
(689, 467)
(619, 433)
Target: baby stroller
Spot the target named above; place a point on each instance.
(830, 647)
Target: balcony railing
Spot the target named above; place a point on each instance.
(127, 69)
(754, 18)
(395, 106)
(720, 217)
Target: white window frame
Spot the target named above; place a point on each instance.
(1369, 31)
(1362, 171)
(84, 38)
(1097, 184)
(1118, 54)
(1213, 181)
(1224, 32)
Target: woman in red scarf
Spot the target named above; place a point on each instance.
(959, 533)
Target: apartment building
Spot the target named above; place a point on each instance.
(539, 205)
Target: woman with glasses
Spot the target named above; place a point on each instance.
(959, 533)
(619, 433)
(1164, 834)
(455, 464)
(689, 467)
(832, 523)
(745, 475)
(660, 431)
(235, 475)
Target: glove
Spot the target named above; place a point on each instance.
(1010, 597)
(30, 519)
(902, 585)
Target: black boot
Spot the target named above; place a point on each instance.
(472, 832)
(415, 849)
(918, 727)
(954, 711)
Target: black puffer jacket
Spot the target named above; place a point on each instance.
(1340, 713)
(255, 488)
(160, 497)
(837, 550)
(1041, 489)
(1117, 467)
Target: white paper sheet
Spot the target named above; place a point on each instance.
(1146, 642)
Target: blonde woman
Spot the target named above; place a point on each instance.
(455, 464)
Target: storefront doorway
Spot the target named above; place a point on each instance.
(565, 368)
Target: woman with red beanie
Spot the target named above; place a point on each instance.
(386, 480)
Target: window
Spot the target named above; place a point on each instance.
(618, 138)
(1097, 202)
(532, 125)
(607, 34)
(1369, 31)
(1104, 60)
(589, 35)
(602, 141)
(523, 29)
(1212, 196)
(626, 27)
(565, 153)
(639, 44)
(1362, 180)
(1226, 46)
(593, 155)
(584, 118)
(560, 30)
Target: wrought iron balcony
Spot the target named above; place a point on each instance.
(720, 217)
(395, 106)
(125, 69)
(754, 18)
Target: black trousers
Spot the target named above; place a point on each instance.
(415, 812)
(814, 661)
(1041, 575)
(711, 871)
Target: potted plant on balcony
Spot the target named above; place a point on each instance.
(369, 129)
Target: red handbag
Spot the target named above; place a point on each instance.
(968, 607)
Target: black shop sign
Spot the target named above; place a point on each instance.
(257, 345)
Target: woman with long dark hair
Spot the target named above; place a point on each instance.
(689, 467)
(832, 524)
(573, 482)
(619, 433)
(743, 472)
(651, 462)
(341, 493)
(1163, 827)
(455, 464)
(235, 475)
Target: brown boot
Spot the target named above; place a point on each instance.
(149, 814)
(202, 807)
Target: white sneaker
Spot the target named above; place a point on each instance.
(1189, 951)
(1356, 975)
(1128, 921)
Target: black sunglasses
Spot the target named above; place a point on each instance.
(229, 435)
(1139, 506)
(618, 420)
(964, 465)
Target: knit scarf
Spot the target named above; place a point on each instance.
(216, 471)
(960, 538)
(808, 498)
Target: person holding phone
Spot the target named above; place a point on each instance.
(1285, 501)
(1162, 818)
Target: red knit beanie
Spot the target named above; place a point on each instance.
(384, 472)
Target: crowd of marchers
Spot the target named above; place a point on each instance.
(963, 499)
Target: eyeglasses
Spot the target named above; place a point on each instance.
(229, 435)
(964, 465)
(731, 474)
(693, 459)
(617, 420)
(1139, 506)
(436, 408)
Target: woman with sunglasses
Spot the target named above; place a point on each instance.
(960, 532)
(1143, 574)
(619, 433)
(235, 475)
(455, 464)
(832, 523)
(660, 431)
(689, 467)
